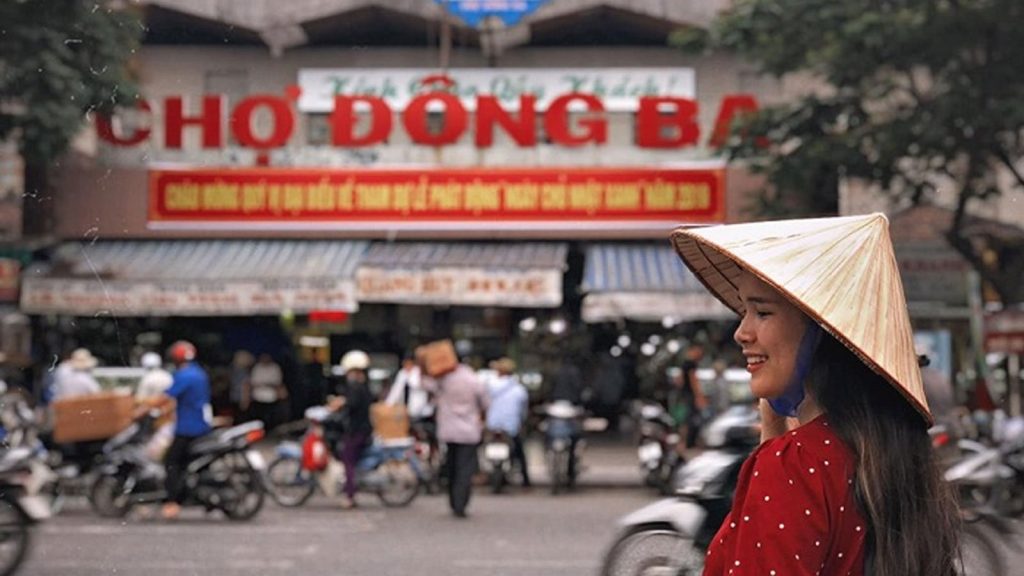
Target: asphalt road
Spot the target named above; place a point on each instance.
(508, 535)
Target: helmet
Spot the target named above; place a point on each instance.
(182, 351)
(355, 360)
(151, 360)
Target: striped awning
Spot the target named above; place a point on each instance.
(513, 274)
(194, 277)
(644, 282)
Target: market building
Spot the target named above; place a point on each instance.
(379, 174)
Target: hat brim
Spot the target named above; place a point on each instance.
(719, 270)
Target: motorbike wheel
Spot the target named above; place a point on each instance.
(244, 499)
(290, 484)
(558, 469)
(497, 479)
(401, 485)
(108, 497)
(14, 537)
(653, 551)
(978, 554)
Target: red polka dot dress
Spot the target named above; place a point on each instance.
(795, 512)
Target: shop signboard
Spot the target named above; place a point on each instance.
(473, 12)
(932, 272)
(184, 298)
(654, 307)
(454, 199)
(1004, 332)
(529, 288)
(619, 89)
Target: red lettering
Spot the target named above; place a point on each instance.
(343, 121)
(105, 129)
(209, 121)
(241, 121)
(455, 119)
(489, 112)
(733, 105)
(556, 121)
(651, 122)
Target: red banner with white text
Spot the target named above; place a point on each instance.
(486, 198)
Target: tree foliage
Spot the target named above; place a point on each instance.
(61, 60)
(915, 94)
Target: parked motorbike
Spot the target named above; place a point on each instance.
(388, 469)
(990, 477)
(498, 455)
(224, 473)
(657, 447)
(21, 505)
(670, 536)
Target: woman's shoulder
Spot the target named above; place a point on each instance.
(812, 449)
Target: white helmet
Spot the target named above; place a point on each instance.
(151, 360)
(355, 360)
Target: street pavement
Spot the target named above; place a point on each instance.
(515, 534)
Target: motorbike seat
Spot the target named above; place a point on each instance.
(220, 439)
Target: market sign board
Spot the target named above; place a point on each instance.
(619, 89)
(1004, 332)
(88, 297)
(482, 199)
(473, 12)
(932, 272)
(530, 288)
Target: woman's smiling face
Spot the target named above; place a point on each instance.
(769, 334)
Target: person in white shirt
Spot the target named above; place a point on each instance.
(77, 380)
(408, 389)
(155, 380)
(152, 386)
(267, 390)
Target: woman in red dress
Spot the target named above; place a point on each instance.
(845, 481)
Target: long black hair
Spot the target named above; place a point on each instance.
(912, 514)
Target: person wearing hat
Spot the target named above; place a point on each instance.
(509, 405)
(75, 378)
(190, 391)
(845, 480)
(357, 428)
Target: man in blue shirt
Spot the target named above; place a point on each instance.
(509, 403)
(191, 393)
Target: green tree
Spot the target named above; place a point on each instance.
(60, 61)
(915, 94)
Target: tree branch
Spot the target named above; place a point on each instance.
(1008, 162)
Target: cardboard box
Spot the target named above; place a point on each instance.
(93, 417)
(389, 422)
(438, 358)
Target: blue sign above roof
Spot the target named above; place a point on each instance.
(473, 12)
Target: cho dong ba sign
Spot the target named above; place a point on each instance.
(364, 108)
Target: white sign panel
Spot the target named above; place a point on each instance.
(119, 298)
(461, 286)
(932, 272)
(618, 88)
(654, 307)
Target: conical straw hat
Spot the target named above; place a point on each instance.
(840, 271)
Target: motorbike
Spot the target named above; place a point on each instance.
(21, 505)
(224, 473)
(429, 453)
(657, 448)
(990, 476)
(388, 469)
(670, 536)
(498, 454)
(564, 425)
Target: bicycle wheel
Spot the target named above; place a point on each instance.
(290, 484)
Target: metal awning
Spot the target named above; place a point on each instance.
(644, 282)
(194, 278)
(505, 274)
